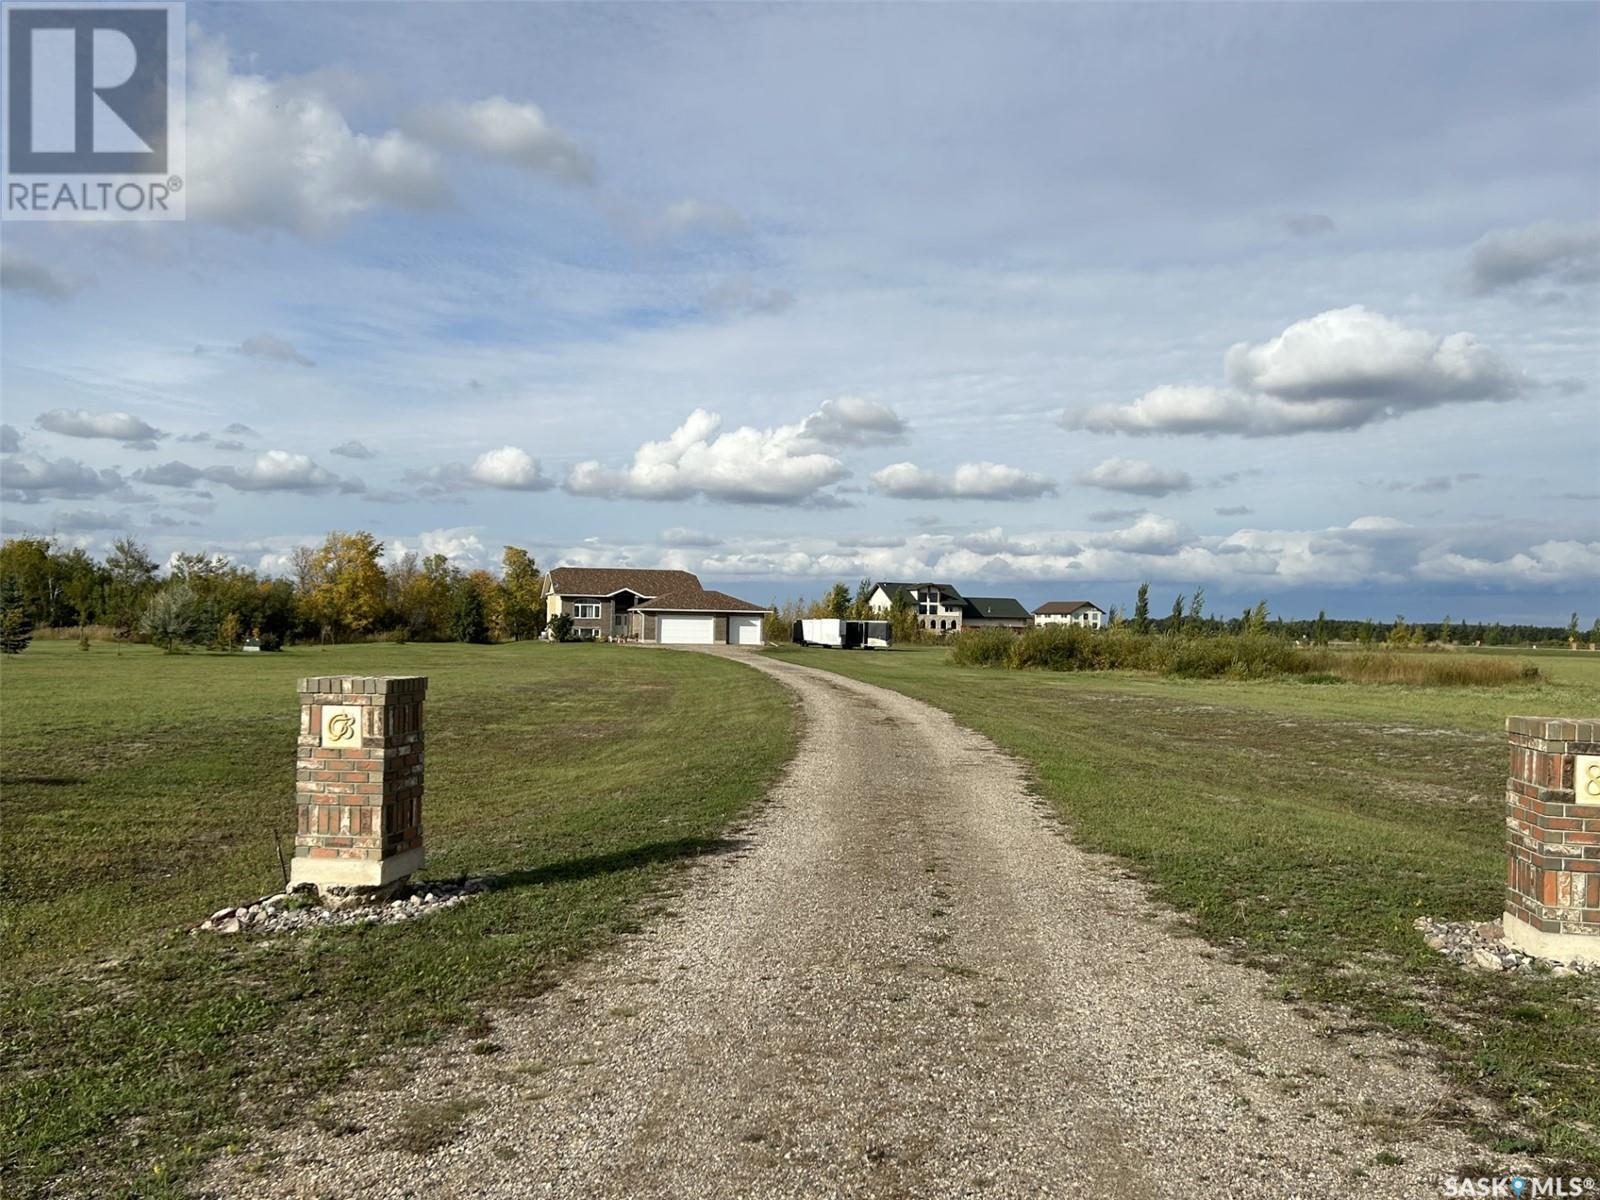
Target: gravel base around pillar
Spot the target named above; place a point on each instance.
(303, 908)
(1482, 947)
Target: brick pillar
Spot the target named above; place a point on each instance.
(358, 780)
(1553, 838)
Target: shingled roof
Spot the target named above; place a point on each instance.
(993, 608)
(606, 581)
(1063, 608)
(699, 599)
(895, 589)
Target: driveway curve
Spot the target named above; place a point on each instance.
(909, 983)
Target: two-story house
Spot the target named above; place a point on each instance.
(938, 605)
(1069, 612)
(942, 609)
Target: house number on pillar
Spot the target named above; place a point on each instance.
(1586, 778)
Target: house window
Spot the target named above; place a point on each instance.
(586, 612)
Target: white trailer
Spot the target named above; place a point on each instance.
(842, 635)
(825, 632)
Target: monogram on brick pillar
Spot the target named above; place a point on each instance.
(358, 782)
(1553, 838)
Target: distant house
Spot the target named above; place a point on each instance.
(1069, 612)
(994, 612)
(665, 607)
(942, 609)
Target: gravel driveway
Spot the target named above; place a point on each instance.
(908, 984)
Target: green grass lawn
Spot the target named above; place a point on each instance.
(1303, 827)
(141, 792)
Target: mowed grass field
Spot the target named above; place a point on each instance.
(140, 792)
(1302, 828)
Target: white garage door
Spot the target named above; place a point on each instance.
(744, 631)
(695, 631)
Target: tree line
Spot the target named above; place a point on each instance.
(339, 590)
(1189, 616)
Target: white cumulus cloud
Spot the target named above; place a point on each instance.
(1341, 369)
(1136, 477)
(278, 154)
(280, 471)
(741, 466)
(853, 421)
(510, 468)
(969, 481)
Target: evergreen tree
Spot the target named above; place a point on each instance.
(860, 610)
(1319, 631)
(16, 630)
(837, 602)
(1446, 630)
(469, 621)
(1141, 610)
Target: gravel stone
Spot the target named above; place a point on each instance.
(1483, 946)
(902, 981)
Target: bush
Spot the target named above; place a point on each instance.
(1224, 656)
(560, 629)
(982, 648)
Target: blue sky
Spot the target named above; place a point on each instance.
(1296, 302)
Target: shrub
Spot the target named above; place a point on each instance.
(1225, 656)
(982, 647)
(560, 629)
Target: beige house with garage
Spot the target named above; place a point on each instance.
(638, 605)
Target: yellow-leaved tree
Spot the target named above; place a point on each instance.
(521, 612)
(348, 589)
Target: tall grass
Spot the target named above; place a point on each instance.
(1224, 656)
(1430, 670)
